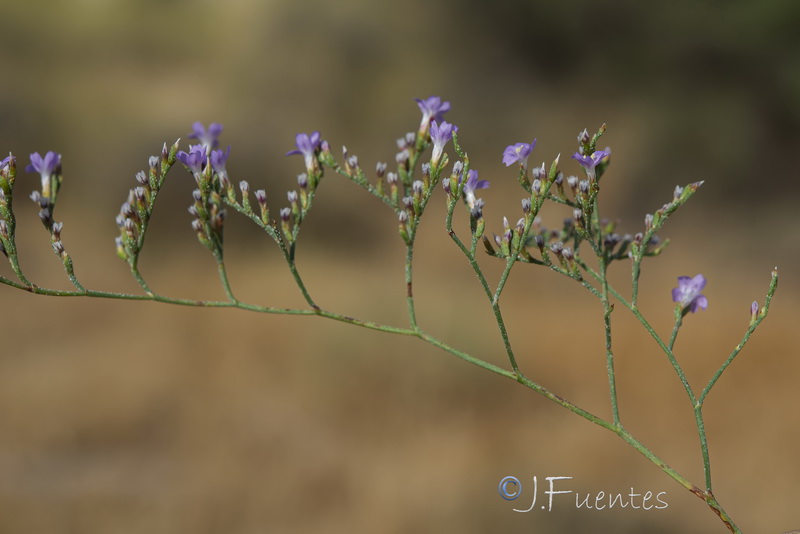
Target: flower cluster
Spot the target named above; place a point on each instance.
(208, 166)
(135, 212)
(8, 172)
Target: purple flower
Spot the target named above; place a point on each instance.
(687, 294)
(218, 159)
(307, 145)
(46, 166)
(440, 135)
(195, 159)
(432, 109)
(518, 153)
(472, 185)
(590, 162)
(207, 138)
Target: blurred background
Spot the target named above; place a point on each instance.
(137, 417)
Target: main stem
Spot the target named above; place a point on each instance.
(607, 309)
(418, 333)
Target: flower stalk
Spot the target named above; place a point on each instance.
(584, 249)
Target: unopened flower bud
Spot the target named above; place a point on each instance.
(583, 137)
(197, 225)
(141, 177)
(392, 178)
(678, 192)
(403, 222)
(526, 206)
(130, 227)
(141, 196)
(58, 246)
(572, 182)
(56, 230)
(648, 221)
(611, 240)
(380, 169)
(46, 216)
(539, 172)
(292, 196)
(417, 187)
(536, 186)
(458, 167)
(476, 210)
(244, 187)
(285, 214)
(302, 181)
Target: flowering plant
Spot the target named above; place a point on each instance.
(582, 249)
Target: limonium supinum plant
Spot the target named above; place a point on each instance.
(582, 249)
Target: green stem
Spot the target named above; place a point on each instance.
(418, 333)
(223, 277)
(701, 433)
(753, 325)
(678, 324)
(138, 276)
(635, 273)
(493, 297)
(607, 309)
(12, 257)
(412, 316)
(71, 274)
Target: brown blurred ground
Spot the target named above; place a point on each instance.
(137, 417)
